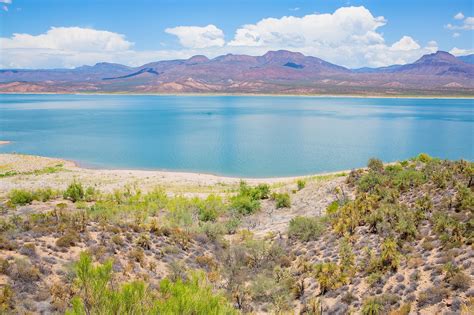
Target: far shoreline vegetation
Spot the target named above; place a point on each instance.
(390, 238)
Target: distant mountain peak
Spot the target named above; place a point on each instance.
(439, 56)
(278, 55)
(197, 59)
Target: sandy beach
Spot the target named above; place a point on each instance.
(33, 172)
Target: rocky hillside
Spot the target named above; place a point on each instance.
(276, 72)
(388, 239)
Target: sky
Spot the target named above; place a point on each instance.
(373, 33)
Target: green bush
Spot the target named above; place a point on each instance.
(258, 192)
(210, 208)
(330, 276)
(424, 158)
(193, 296)
(244, 204)
(74, 192)
(372, 306)
(375, 165)
(20, 197)
(305, 228)
(282, 200)
(301, 183)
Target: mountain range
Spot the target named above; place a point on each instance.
(276, 72)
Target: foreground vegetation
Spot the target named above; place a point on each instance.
(393, 239)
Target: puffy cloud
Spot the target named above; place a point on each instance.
(461, 52)
(6, 1)
(198, 37)
(456, 35)
(351, 24)
(405, 43)
(61, 47)
(467, 24)
(459, 16)
(69, 39)
(348, 37)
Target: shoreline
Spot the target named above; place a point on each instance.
(80, 165)
(370, 96)
(168, 175)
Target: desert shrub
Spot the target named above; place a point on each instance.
(258, 192)
(305, 228)
(372, 306)
(390, 257)
(347, 218)
(301, 183)
(408, 178)
(91, 194)
(464, 199)
(74, 192)
(44, 194)
(460, 281)
(332, 208)
(143, 241)
(375, 165)
(213, 231)
(20, 197)
(180, 211)
(232, 224)
(6, 299)
(370, 181)
(210, 208)
(330, 276)
(432, 295)
(137, 254)
(118, 240)
(28, 249)
(346, 256)
(244, 204)
(424, 158)
(402, 310)
(181, 238)
(282, 200)
(23, 270)
(194, 296)
(69, 239)
(4, 264)
(97, 296)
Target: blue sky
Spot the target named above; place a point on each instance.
(352, 33)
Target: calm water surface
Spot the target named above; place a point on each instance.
(232, 135)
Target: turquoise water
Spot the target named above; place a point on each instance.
(233, 135)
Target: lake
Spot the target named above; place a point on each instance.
(261, 136)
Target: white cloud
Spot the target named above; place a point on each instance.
(68, 39)
(461, 52)
(349, 36)
(405, 43)
(5, 8)
(459, 16)
(61, 47)
(6, 1)
(467, 24)
(198, 37)
(456, 35)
